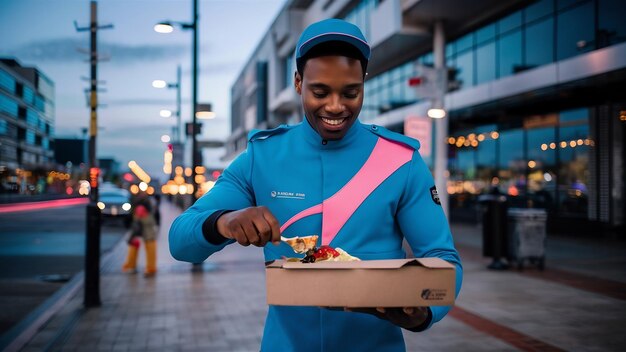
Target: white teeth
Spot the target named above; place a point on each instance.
(333, 122)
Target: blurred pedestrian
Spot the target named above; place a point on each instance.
(142, 229)
(296, 176)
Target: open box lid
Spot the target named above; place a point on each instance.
(432, 263)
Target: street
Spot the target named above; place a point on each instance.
(40, 250)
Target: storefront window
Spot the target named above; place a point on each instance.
(511, 163)
(541, 152)
(573, 169)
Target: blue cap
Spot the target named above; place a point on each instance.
(332, 30)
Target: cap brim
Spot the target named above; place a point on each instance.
(358, 43)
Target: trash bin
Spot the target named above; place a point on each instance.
(527, 233)
(494, 220)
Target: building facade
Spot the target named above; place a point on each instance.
(26, 126)
(537, 108)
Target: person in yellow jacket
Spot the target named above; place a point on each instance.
(144, 227)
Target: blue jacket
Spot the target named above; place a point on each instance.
(290, 169)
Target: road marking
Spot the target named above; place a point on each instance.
(501, 332)
(30, 206)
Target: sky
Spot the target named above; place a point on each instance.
(41, 33)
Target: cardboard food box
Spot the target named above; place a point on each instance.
(412, 282)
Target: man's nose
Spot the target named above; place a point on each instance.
(334, 106)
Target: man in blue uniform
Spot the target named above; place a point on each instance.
(362, 187)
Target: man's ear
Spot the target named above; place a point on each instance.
(297, 79)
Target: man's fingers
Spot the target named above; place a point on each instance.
(263, 230)
(273, 224)
(251, 233)
(240, 236)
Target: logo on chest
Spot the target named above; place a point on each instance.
(287, 195)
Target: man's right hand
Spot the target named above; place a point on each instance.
(254, 225)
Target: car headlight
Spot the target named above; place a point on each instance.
(101, 205)
(126, 206)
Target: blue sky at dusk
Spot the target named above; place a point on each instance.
(41, 33)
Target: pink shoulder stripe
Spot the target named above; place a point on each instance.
(385, 159)
(316, 209)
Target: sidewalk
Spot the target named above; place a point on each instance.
(223, 308)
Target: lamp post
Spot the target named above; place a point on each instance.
(162, 84)
(167, 27)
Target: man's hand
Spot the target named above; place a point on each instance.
(407, 318)
(254, 225)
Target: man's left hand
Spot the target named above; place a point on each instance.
(407, 318)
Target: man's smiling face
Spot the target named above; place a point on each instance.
(332, 94)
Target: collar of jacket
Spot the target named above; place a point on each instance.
(314, 139)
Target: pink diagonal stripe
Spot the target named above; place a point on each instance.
(316, 209)
(385, 159)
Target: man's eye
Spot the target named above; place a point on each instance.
(319, 94)
(351, 95)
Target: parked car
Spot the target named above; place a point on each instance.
(115, 204)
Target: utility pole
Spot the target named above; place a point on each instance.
(92, 243)
(441, 124)
(194, 103)
(178, 138)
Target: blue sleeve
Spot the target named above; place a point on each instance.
(425, 227)
(232, 191)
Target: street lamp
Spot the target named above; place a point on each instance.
(158, 83)
(168, 27)
(205, 112)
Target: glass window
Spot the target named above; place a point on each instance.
(486, 33)
(8, 105)
(511, 162)
(566, 3)
(486, 63)
(611, 23)
(465, 67)
(577, 115)
(30, 137)
(465, 43)
(4, 127)
(510, 22)
(32, 119)
(7, 81)
(509, 53)
(539, 43)
(45, 143)
(45, 86)
(466, 163)
(28, 95)
(573, 170)
(40, 103)
(538, 10)
(427, 59)
(542, 169)
(575, 32)
(450, 49)
(486, 164)
(289, 70)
